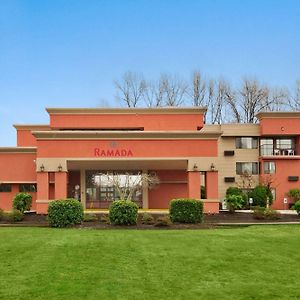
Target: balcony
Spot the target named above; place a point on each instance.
(284, 152)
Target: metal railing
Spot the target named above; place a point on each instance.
(268, 150)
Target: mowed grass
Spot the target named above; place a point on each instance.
(258, 262)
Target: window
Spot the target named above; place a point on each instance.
(284, 143)
(277, 146)
(269, 167)
(5, 188)
(250, 168)
(266, 147)
(27, 188)
(246, 143)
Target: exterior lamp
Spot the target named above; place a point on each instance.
(42, 168)
(212, 167)
(59, 168)
(195, 167)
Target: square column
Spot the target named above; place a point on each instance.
(145, 194)
(212, 203)
(42, 192)
(60, 189)
(194, 185)
(212, 185)
(42, 185)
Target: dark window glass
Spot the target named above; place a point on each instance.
(27, 188)
(246, 143)
(250, 168)
(5, 188)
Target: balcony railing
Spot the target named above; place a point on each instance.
(266, 150)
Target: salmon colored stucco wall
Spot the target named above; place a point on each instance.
(139, 148)
(212, 185)
(148, 121)
(25, 138)
(284, 168)
(17, 167)
(6, 199)
(161, 196)
(282, 126)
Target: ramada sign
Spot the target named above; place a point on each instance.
(112, 152)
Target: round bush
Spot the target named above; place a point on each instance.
(123, 212)
(66, 212)
(22, 202)
(234, 202)
(186, 211)
(260, 194)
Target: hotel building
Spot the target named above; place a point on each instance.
(68, 157)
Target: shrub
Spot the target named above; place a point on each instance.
(1, 214)
(89, 218)
(232, 190)
(296, 207)
(186, 211)
(14, 216)
(162, 221)
(260, 195)
(104, 219)
(294, 194)
(22, 202)
(147, 219)
(262, 213)
(234, 202)
(123, 212)
(66, 212)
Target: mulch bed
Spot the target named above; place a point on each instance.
(210, 221)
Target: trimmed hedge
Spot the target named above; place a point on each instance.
(22, 202)
(296, 207)
(186, 210)
(65, 212)
(123, 212)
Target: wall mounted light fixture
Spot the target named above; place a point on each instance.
(59, 168)
(42, 168)
(212, 167)
(195, 167)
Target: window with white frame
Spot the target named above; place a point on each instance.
(269, 167)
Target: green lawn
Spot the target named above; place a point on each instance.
(258, 262)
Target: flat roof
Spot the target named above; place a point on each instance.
(127, 110)
(278, 114)
(109, 135)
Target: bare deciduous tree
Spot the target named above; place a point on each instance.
(198, 89)
(153, 95)
(217, 93)
(174, 90)
(127, 184)
(131, 88)
(294, 100)
(254, 98)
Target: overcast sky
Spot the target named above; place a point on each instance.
(60, 53)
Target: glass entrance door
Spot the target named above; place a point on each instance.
(103, 187)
